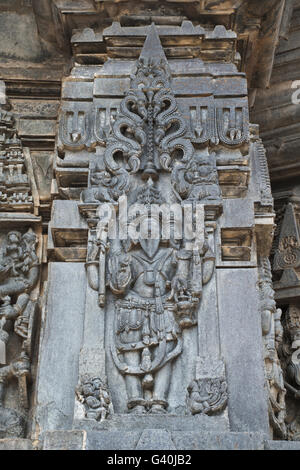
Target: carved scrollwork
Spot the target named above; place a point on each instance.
(287, 254)
(126, 135)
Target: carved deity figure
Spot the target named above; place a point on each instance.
(105, 185)
(158, 285)
(290, 356)
(19, 270)
(197, 180)
(157, 281)
(93, 393)
(272, 337)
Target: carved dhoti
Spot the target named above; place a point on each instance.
(140, 327)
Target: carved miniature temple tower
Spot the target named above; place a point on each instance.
(161, 321)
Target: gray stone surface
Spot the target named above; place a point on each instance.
(113, 440)
(241, 343)
(60, 345)
(282, 445)
(65, 440)
(169, 422)
(152, 439)
(218, 441)
(16, 444)
(155, 439)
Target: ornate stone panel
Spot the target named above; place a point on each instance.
(162, 197)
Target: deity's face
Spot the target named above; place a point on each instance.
(97, 383)
(105, 177)
(13, 238)
(149, 228)
(87, 389)
(197, 171)
(102, 176)
(29, 242)
(150, 235)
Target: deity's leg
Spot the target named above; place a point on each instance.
(133, 384)
(161, 385)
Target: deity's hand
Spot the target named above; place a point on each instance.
(21, 326)
(4, 269)
(9, 312)
(93, 251)
(92, 402)
(21, 367)
(178, 285)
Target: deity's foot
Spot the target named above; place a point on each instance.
(158, 409)
(139, 409)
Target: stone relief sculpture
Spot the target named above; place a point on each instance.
(159, 332)
(287, 256)
(157, 282)
(197, 180)
(106, 186)
(160, 298)
(94, 394)
(207, 393)
(272, 338)
(75, 128)
(286, 283)
(291, 364)
(19, 272)
(15, 190)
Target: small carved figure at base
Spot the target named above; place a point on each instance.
(12, 423)
(93, 393)
(207, 395)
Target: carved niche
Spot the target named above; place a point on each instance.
(154, 284)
